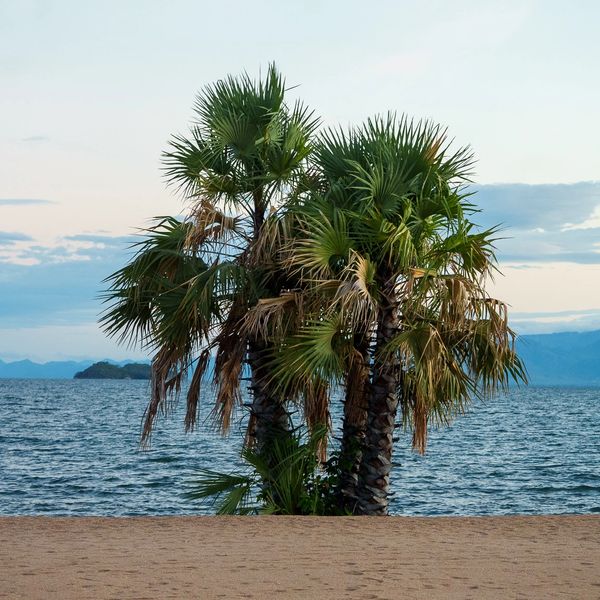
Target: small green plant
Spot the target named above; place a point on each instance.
(286, 478)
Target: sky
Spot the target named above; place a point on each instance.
(90, 93)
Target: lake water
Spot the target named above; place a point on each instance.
(71, 448)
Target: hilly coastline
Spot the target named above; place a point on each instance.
(105, 370)
(27, 369)
(562, 358)
(551, 359)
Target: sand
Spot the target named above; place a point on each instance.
(300, 557)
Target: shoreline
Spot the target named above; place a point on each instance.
(300, 557)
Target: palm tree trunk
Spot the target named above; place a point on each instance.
(376, 463)
(269, 417)
(354, 426)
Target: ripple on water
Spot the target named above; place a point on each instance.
(72, 448)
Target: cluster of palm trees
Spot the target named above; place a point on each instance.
(312, 261)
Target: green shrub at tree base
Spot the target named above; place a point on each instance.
(285, 478)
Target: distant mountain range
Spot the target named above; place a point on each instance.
(562, 358)
(551, 359)
(26, 369)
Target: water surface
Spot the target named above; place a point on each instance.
(71, 447)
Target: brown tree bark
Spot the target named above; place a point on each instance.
(354, 426)
(269, 417)
(376, 463)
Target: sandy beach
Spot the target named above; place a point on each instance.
(300, 557)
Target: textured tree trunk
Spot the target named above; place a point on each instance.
(354, 426)
(258, 215)
(269, 417)
(376, 463)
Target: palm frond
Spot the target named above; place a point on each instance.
(316, 352)
(231, 344)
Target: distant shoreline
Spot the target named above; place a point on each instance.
(567, 359)
(536, 386)
(300, 557)
(106, 370)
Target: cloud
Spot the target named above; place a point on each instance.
(592, 222)
(108, 240)
(57, 285)
(19, 249)
(8, 238)
(54, 294)
(582, 258)
(547, 206)
(543, 223)
(23, 201)
(550, 322)
(36, 138)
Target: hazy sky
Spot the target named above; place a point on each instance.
(91, 91)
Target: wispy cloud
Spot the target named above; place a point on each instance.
(35, 138)
(109, 240)
(23, 201)
(10, 237)
(592, 222)
(540, 322)
(543, 223)
(57, 284)
(20, 249)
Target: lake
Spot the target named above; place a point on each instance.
(71, 447)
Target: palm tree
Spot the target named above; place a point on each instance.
(187, 291)
(386, 243)
(365, 271)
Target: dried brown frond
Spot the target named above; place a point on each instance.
(209, 223)
(272, 317)
(228, 390)
(431, 154)
(231, 344)
(354, 295)
(456, 344)
(420, 418)
(166, 380)
(193, 394)
(267, 248)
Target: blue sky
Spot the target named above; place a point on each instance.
(91, 92)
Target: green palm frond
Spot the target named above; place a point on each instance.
(138, 292)
(465, 250)
(324, 249)
(317, 351)
(286, 480)
(245, 140)
(245, 156)
(235, 492)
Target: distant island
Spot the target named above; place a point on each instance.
(564, 359)
(104, 370)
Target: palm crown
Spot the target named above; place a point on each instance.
(398, 270)
(187, 290)
(352, 259)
